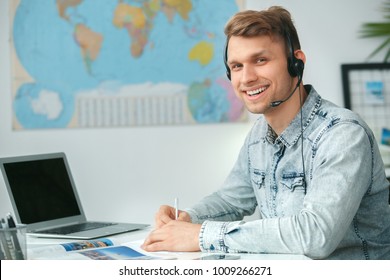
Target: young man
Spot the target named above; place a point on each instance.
(312, 168)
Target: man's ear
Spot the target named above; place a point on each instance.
(300, 55)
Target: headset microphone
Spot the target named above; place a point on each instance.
(278, 102)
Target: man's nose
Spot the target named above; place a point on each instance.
(248, 75)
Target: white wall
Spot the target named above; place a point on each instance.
(124, 174)
(329, 34)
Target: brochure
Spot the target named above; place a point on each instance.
(99, 249)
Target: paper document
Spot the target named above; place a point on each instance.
(99, 249)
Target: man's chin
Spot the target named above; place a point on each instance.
(255, 109)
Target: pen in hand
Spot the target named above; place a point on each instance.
(176, 205)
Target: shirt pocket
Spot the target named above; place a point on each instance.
(258, 178)
(293, 181)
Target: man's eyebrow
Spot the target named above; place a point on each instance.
(252, 56)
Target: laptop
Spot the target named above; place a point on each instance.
(44, 198)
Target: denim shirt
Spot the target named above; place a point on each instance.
(328, 200)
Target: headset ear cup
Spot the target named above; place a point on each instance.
(299, 66)
(295, 67)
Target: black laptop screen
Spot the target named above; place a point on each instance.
(42, 190)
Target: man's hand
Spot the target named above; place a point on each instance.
(166, 214)
(175, 235)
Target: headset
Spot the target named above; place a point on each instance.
(295, 65)
(295, 68)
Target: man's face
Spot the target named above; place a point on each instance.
(259, 72)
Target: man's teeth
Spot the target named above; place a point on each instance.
(256, 91)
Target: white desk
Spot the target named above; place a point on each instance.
(35, 243)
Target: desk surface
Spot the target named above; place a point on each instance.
(34, 244)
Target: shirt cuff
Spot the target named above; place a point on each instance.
(212, 237)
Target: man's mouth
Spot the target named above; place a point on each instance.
(256, 91)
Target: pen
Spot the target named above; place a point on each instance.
(176, 208)
(18, 249)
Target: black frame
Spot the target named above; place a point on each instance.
(346, 68)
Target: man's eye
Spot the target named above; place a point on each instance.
(261, 60)
(236, 66)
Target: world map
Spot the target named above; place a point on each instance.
(85, 63)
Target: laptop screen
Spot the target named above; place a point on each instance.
(41, 190)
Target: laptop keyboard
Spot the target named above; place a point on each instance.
(76, 228)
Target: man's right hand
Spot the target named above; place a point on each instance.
(166, 214)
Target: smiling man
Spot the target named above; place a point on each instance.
(312, 169)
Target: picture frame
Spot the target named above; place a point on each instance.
(364, 68)
(366, 90)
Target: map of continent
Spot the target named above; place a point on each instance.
(106, 63)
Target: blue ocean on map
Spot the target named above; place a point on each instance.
(84, 59)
